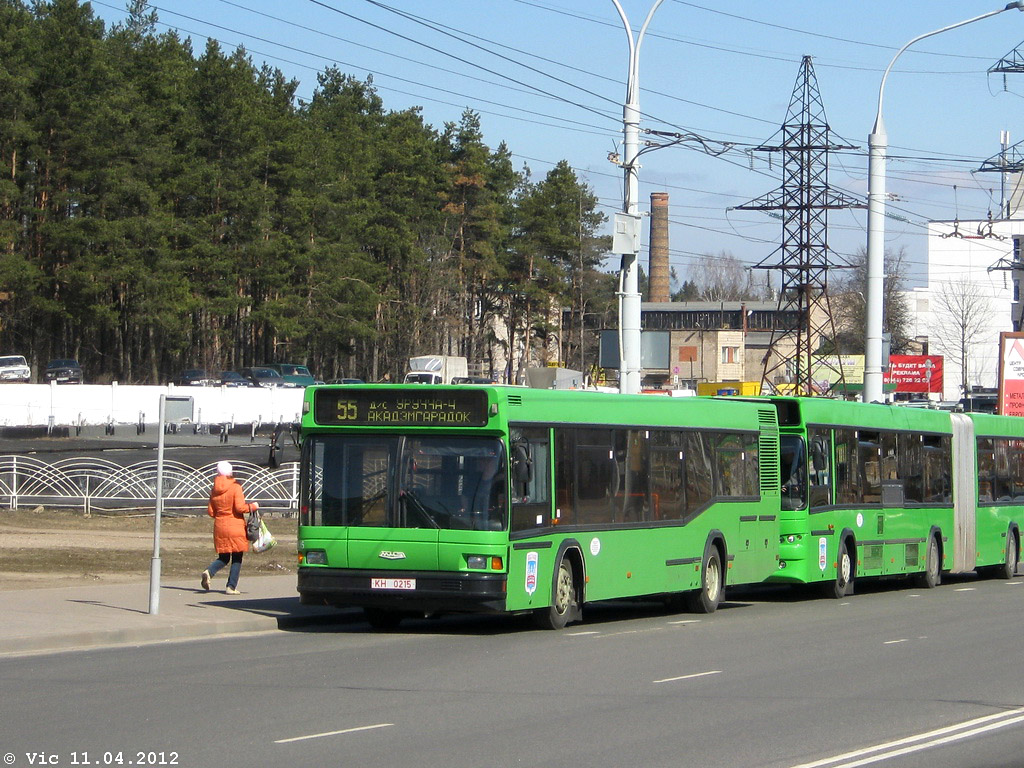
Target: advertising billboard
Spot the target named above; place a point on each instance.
(915, 373)
(1011, 374)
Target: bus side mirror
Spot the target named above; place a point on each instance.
(522, 466)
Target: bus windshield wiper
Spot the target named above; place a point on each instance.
(419, 506)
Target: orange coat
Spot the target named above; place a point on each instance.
(227, 507)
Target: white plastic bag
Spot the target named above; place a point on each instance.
(265, 540)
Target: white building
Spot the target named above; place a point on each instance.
(967, 303)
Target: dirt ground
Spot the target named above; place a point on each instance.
(50, 548)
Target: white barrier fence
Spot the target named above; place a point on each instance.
(99, 404)
(89, 484)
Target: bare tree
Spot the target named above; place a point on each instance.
(724, 278)
(961, 312)
(849, 306)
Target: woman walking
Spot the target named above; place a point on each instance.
(227, 507)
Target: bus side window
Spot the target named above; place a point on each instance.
(531, 477)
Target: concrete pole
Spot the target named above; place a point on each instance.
(878, 142)
(154, 569)
(629, 282)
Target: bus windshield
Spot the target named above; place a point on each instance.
(793, 472)
(394, 481)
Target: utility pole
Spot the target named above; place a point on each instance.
(626, 237)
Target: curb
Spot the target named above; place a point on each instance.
(176, 631)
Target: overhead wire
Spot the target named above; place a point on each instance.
(571, 125)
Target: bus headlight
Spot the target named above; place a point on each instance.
(483, 562)
(316, 557)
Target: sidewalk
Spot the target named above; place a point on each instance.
(40, 620)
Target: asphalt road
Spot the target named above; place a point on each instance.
(770, 681)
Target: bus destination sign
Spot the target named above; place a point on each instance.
(400, 408)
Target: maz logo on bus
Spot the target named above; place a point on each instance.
(389, 555)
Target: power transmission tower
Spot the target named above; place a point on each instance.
(1009, 161)
(804, 317)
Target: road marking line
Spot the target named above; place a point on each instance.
(580, 634)
(893, 642)
(688, 677)
(333, 733)
(686, 621)
(978, 725)
(966, 589)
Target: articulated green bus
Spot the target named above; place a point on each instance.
(427, 499)
(876, 490)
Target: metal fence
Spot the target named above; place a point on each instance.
(89, 484)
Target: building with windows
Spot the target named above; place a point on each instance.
(711, 341)
(973, 294)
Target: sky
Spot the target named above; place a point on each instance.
(548, 78)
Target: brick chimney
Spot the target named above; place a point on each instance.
(658, 270)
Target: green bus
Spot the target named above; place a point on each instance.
(878, 490)
(427, 499)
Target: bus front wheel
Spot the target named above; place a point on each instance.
(842, 584)
(706, 599)
(563, 606)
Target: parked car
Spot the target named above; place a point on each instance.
(346, 381)
(64, 371)
(294, 375)
(263, 376)
(15, 368)
(233, 379)
(193, 377)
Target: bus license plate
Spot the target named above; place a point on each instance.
(392, 583)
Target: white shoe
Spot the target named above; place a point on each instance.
(231, 591)
(204, 580)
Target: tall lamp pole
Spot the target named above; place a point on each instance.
(626, 240)
(878, 142)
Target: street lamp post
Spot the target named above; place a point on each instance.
(628, 225)
(877, 144)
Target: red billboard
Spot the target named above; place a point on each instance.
(915, 373)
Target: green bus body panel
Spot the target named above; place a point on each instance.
(644, 561)
(994, 521)
(889, 541)
(639, 560)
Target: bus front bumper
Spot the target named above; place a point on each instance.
(425, 591)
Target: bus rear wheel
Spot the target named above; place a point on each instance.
(842, 584)
(707, 598)
(931, 577)
(563, 600)
(1009, 567)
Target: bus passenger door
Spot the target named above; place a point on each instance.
(530, 563)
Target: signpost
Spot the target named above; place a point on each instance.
(176, 408)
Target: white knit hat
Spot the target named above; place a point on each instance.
(224, 468)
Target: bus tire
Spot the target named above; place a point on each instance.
(707, 598)
(382, 619)
(1009, 567)
(842, 584)
(931, 576)
(564, 602)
